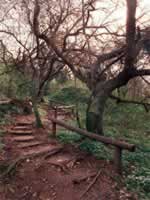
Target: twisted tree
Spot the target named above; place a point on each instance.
(86, 37)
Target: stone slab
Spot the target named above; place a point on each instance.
(21, 128)
(23, 138)
(20, 132)
(25, 123)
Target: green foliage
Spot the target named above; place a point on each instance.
(13, 83)
(138, 172)
(5, 111)
(96, 148)
(93, 147)
(68, 137)
(125, 121)
(130, 122)
(70, 95)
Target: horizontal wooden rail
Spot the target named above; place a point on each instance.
(118, 145)
(105, 140)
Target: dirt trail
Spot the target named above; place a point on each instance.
(56, 172)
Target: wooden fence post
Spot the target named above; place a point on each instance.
(54, 123)
(118, 160)
(119, 146)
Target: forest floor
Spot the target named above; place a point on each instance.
(51, 170)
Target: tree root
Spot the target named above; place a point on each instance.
(83, 178)
(12, 166)
(73, 161)
(63, 167)
(53, 152)
(91, 184)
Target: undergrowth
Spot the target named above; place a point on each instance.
(131, 123)
(122, 121)
(70, 95)
(5, 118)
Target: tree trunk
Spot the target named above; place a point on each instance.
(94, 115)
(37, 115)
(35, 100)
(95, 110)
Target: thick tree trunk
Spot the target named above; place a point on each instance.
(37, 115)
(95, 110)
(94, 120)
(35, 101)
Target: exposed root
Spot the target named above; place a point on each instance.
(73, 161)
(12, 166)
(63, 167)
(92, 183)
(53, 152)
(83, 178)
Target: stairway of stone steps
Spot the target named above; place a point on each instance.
(22, 135)
(26, 143)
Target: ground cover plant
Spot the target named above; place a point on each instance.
(126, 122)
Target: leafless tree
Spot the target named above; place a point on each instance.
(101, 53)
(28, 55)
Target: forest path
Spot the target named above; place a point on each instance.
(54, 171)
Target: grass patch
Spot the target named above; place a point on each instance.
(130, 122)
(5, 113)
(96, 148)
(68, 137)
(137, 170)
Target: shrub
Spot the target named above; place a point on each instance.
(70, 95)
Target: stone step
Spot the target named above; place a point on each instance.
(39, 150)
(20, 132)
(30, 144)
(21, 128)
(23, 138)
(25, 123)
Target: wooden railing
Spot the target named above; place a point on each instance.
(118, 145)
(61, 106)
